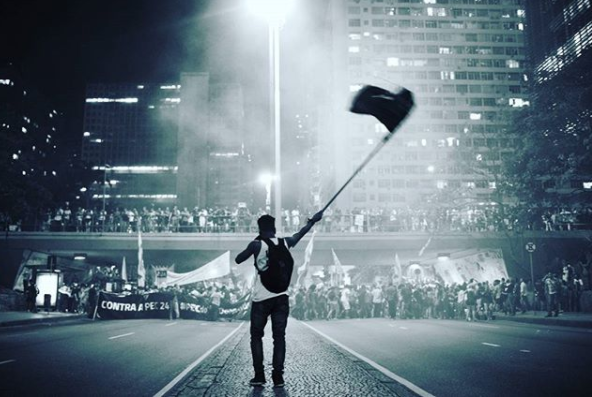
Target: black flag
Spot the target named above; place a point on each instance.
(388, 107)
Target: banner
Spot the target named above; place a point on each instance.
(159, 304)
(134, 306)
(487, 265)
(217, 268)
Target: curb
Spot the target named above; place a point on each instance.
(48, 320)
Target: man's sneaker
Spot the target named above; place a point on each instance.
(278, 380)
(258, 380)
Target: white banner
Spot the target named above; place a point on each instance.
(217, 268)
(486, 265)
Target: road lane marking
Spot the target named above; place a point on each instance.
(7, 362)
(484, 326)
(122, 335)
(169, 324)
(525, 351)
(194, 364)
(414, 388)
(403, 328)
(490, 344)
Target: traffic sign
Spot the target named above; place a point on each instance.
(530, 247)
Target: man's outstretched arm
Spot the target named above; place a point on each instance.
(296, 237)
(252, 249)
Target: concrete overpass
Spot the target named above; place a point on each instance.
(191, 250)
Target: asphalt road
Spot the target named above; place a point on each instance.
(458, 359)
(102, 358)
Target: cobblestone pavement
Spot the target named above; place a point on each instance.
(314, 367)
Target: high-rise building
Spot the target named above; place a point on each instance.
(166, 144)
(560, 34)
(464, 60)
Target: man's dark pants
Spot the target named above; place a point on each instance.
(278, 308)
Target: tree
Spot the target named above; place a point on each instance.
(554, 153)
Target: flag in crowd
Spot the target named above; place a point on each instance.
(307, 255)
(123, 270)
(397, 269)
(425, 246)
(141, 268)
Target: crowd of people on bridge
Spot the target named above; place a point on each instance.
(157, 219)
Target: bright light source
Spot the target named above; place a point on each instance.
(431, 168)
(86, 133)
(83, 189)
(266, 178)
(79, 257)
(273, 11)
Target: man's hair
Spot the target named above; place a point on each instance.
(266, 223)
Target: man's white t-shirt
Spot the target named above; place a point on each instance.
(260, 293)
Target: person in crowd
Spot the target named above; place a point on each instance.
(377, 301)
(215, 302)
(551, 283)
(392, 297)
(267, 304)
(31, 296)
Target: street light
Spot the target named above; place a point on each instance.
(274, 12)
(266, 179)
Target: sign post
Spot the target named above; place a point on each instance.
(531, 247)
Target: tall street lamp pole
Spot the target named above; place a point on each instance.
(274, 11)
(274, 47)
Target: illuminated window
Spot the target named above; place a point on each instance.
(512, 64)
(475, 116)
(354, 49)
(392, 61)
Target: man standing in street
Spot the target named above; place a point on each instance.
(266, 303)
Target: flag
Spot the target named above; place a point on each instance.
(141, 268)
(388, 107)
(397, 269)
(307, 255)
(425, 246)
(123, 270)
(337, 263)
(338, 269)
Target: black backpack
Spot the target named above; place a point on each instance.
(276, 278)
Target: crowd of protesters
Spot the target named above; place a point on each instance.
(414, 299)
(155, 219)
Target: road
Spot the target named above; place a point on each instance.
(102, 358)
(456, 358)
(438, 357)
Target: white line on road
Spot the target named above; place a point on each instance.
(6, 362)
(169, 324)
(395, 377)
(194, 364)
(403, 328)
(490, 344)
(525, 351)
(122, 335)
(484, 326)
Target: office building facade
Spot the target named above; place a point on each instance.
(162, 144)
(465, 62)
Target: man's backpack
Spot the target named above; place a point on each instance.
(276, 278)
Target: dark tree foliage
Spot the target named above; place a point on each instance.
(554, 154)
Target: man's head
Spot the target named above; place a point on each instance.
(266, 224)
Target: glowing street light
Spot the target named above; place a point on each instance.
(274, 12)
(266, 179)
